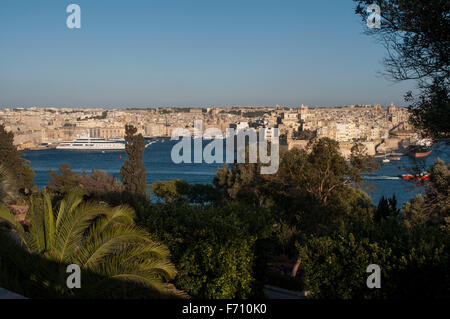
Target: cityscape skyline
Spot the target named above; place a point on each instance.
(162, 54)
(34, 126)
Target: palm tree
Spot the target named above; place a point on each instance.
(112, 252)
(7, 191)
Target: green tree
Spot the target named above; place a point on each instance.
(244, 182)
(386, 207)
(64, 182)
(241, 182)
(308, 179)
(433, 208)
(133, 172)
(110, 249)
(7, 189)
(99, 183)
(430, 111)
(415, 34)
(216, 247)
(170, 191)
(11, 160)
(361, 161)
(310, 193)
(411, 263)
(317, 171)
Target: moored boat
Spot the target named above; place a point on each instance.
(416, 177)
(85, 142)
(419, 151)
(422, 148)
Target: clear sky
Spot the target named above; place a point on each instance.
(146, 53)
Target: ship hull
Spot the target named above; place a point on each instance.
(91, 146)
(85, 143)
(420, 154)
(419, 151)
(87, 148)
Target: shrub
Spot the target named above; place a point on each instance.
(414, 265)
(214, 248)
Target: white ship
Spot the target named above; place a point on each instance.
(84, 142)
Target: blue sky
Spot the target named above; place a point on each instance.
(145, 53)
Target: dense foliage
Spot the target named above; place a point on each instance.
(413, 264)
(216, 248)
(11, 160)
(433, 208)
(7, 188)
(117, 258)
(430, 111)
(95, 185)
(133, 172)
(229, 239)
(411, 246)
(310, 193)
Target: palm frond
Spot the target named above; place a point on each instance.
(120, 276)
(37, 229)
(114, 216)
(73, 227)
(101, 244)
(68, 204)
(105, 242)
(7, 217)
(149, 258)
(48, 221)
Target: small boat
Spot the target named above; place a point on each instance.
(386, 160)
(416, 177)
(395, 159)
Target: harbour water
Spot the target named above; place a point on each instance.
(160, 167)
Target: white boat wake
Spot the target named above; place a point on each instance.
(381, 177)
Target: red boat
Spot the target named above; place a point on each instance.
(415, 177)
